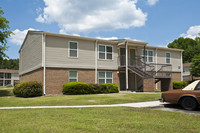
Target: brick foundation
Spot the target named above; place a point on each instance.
(56, 77)
(36, 75)
(176, 76)
(149, 85)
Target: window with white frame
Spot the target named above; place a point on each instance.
(73, 76)
(105, 52)
(148, 54)
(73, 49)
(168, 57)
(105, 77)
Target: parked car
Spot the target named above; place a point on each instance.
(188, 97)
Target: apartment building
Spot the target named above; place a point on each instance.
(54, 59)
(9, 77)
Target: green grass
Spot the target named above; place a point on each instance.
(4, 91)
(7, 101)
(112, 120)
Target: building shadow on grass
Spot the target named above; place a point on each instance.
(4, 93)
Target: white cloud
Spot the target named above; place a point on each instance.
(107, 38)
(76, 16)
(19, 36)
(152, 2)
(192, 32)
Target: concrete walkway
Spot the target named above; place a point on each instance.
(136, 105)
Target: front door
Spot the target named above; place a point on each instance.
(122, 57)
(132, 57)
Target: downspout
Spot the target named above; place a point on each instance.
(126, 49)
(156, 66)
(96, 65)
(44, 62)
(181, 65)
(145, 58)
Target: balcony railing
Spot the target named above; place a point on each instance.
(143, 69)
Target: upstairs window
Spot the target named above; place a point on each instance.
(73, 49)
(105, 52)
(168, 58)
(148, 54)
(73, 76)
(105, 77)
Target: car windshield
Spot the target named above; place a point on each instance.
(192, 85)
(198, 87)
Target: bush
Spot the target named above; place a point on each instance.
(179, 84)
(28, 89)
(76, 88)
(109, 88)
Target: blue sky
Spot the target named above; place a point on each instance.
(157, 22)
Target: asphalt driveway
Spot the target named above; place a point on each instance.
(175, 108)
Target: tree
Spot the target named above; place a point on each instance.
(4, 34)
(195, 67)
(191, 47)
(9, 64)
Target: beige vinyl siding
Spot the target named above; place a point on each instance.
(175, 59)
(139, 53)
(109, 64)
(31, 53)
(57, 53)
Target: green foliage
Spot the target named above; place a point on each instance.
(28, 89)
(76, 88)
(4, 34)
(9, 64)
(109, 88)
(179, 84)
(191, 47)
(195, 67)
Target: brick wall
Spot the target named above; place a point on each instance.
(36, 75)
(149, 85)
(176, 76)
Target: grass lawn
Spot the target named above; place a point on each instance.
(7, 101)
(113, 120)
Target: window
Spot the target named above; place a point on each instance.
(1, 75)
(105, 52)
(105, 77)
(73, 76)
(198, 87)
(7, 82)
(149, 56)
(168, 58)
(73, 49)
(8, 75)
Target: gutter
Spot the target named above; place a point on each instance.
(96, 65)
(44, 62)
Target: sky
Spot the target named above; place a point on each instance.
(157, 22)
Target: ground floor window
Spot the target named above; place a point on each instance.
(1, 82)
(105, 77)
(7, 82)
(73, 76)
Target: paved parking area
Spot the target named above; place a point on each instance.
(175, 108)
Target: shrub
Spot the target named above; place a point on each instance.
(94, 89)
(109, 88)
(28, 89)
(179, 84)
(75, 88)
